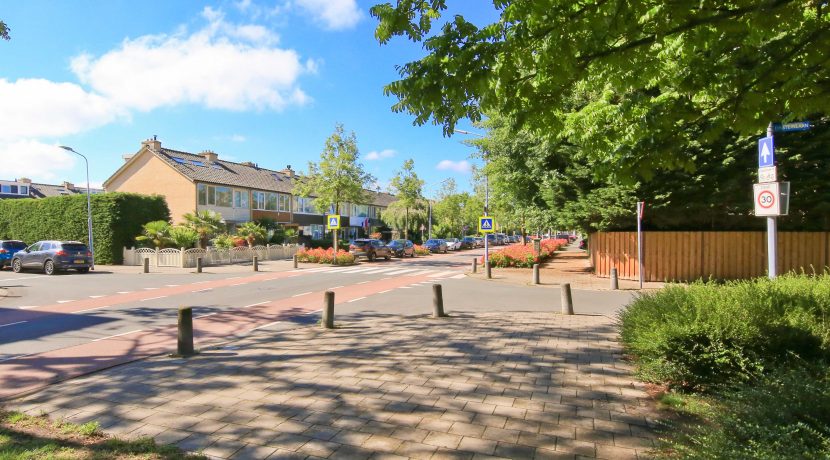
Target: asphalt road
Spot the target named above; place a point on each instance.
(95, 320)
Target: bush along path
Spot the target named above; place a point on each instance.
(523, 255)
(746, 362)
(325, 256)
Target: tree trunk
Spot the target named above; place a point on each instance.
(406, 225)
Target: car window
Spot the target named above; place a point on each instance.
(74, 246)
(34, 247)
(14, 245)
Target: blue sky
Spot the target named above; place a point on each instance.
(253, 81)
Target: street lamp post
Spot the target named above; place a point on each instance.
(486, 199)
(88, 205)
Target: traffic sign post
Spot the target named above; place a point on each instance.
(486, 224)
(333, 224)
(641, 208)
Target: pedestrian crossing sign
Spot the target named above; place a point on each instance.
(486, 224)
(333, 221)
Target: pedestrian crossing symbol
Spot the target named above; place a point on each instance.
(485, 224)
(334, 221)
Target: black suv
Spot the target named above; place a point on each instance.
(402, 248)
(370, 249)
(52, 256)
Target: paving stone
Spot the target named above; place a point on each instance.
(615, 452)
(253, 452)
(447, 440)
(482, 446)
(223, 448)
(508, 450)
(500, 434)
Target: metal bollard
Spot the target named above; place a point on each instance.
(437, 302)
(295, 260)
(198, 265)
(146, 265)
(487, 270)
(615, 283)
(185, 342)
(328, 311)
(567, 300)
(535, 273)
(256, 263)
(475, 265)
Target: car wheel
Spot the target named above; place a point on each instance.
(17, 267)
(83, 270)
(370, 256)
(389, 257)
(49, 267)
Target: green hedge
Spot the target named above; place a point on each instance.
(116, 220)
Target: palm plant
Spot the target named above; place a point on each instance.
(205, 223)
(156, 233)
(252, 232)
(183, 237)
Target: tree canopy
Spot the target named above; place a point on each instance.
(4, 31)
(624, 82)
(407, 188)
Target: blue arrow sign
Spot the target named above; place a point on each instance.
(766, 152)
(790, 127)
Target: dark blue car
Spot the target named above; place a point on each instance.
(53, 256)
(7, 250)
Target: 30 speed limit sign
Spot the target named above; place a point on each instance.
(767, 199)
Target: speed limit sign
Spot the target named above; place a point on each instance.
(767, 199)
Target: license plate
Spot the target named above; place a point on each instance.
(80, 261)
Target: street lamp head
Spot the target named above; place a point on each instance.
(67, 148)
(461, 131)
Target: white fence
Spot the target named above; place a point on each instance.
(186, 258)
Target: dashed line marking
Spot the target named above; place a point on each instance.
(355, 300)
(266, 325)
(204, 316)
(237, 284)
(255, 304)
(335, 287)
(15, 357)
(117, 335)
(26, 307)
(65, 301)
(12, 324)
(154, 298)
(384, 292)
(364, 282)
(172, 285)
(95, 296)
(90, 309)
(150, 288)
(313, 312)
(125, 292)
(203, 290)
(301, 294)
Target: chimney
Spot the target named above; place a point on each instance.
(288, 171)
(69, 186)
(209, 156)
(249, 163)
(24, 180)
(152, 144)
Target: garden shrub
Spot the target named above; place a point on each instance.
(706, 335)
(324, 256)
(116, 220)
(524, 255)
(421, 250)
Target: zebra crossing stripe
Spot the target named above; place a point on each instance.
(399, 272)
(380, 270)
(438, 275)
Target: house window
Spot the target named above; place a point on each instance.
(360, 210)
(214, 196)
(304, 205)
(271, 201)
(223, 197)
(24, 190)
(285, 203)
(240, 199)
(266, 201)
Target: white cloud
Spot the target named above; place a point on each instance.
(37, 107)
(333, 14)
(375, 155)
(36, 160)
(222, 66)
(462, 166)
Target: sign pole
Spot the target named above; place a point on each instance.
(641, 205)
(772, 235)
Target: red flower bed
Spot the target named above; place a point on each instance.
(324, 256)
(519, 255)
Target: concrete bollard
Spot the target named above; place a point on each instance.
(437, 302)
(487, 270)
(615, 283)
(146, 265)
(567, 300)
(198, 265)
(535, 273)
(328, 311)
(185, 342)
(256, 263)
(295, 260)
(475, 265)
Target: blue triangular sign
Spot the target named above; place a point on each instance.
(332, 222)
(486, 224)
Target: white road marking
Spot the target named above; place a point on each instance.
(117, 335)
(404, 287)
(364, 282)
(458, 277)
(204, 316)
(150, 288)
(12, 324)
(125, 292)
(301, 294)
(233, 278)
(358, 270)
(255, 304)
(95, 296)
(22, 278)
(26, 307)
(313, 312)
(335, 287)
(154, 298)
(355, 300)
(90, 309)
(399, 272)
(203, 290)
(237, 284)
(15, 357)
(438, 275)
(172, 285)
(266, 325)
(65, 301)
(384, 292)
(200, 282)
(421, 272)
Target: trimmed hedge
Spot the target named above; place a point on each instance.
(116, 220)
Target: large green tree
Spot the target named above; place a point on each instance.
(408, 190)
(339, 177)
(625, 82)
(4, 31)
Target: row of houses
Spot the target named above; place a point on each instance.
(240, 192)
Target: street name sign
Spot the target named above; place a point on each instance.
(790, 127)
(767, 174)
(486, 224)
(767, 199)
(333, 221)
(766, 152)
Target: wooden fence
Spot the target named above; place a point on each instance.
(687, 256)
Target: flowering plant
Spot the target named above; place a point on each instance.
(421, 250)
(524, 256)
(325, 256)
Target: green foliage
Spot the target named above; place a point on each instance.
(4, 31)
(155, 234)
(781, 416)
(398, 215)
(659, 78)
(408, 188)
(705, 335)
(252, 232)
(205, 223)
(116, 219)
(183, 237)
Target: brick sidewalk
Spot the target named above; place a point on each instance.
(526, 385)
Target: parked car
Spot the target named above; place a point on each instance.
(492, 240)
(53, 256)
(371, 249)
(453, 244)
(479, 242)
(436, 245)
(402, 248)
(583, 244)
(468, 242)
(7, 249)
